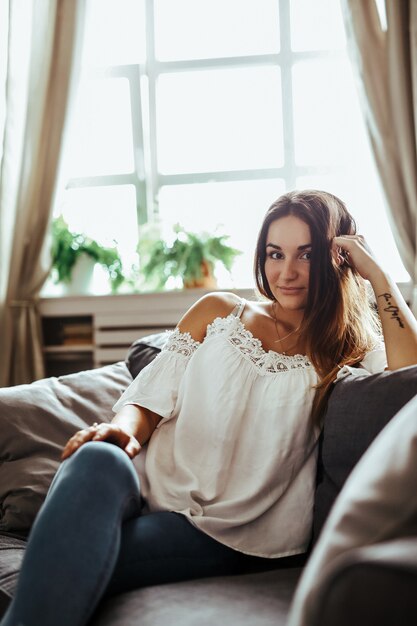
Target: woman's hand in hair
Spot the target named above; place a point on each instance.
(354, 251)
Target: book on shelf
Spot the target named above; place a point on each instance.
(77, 329)
(77, 341)
(77, 333)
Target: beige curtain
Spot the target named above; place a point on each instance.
(43, 58)
(386, 65)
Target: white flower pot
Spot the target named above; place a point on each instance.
(81, 277)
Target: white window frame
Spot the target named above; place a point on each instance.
(145, 177)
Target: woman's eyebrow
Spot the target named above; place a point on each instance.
(303, 247)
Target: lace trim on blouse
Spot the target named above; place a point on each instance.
(182, 343)
(251, 347)
(243, 340)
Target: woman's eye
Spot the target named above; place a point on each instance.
(278, 256)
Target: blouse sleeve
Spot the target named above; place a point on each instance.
(374, 362)
(156, 386)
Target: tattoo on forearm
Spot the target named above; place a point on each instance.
(391, 308)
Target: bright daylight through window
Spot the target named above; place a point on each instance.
(202, 112)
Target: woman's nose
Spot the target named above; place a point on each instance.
(289, 270)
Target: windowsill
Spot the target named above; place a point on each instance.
(51, 291)
(171, 293)
(99, 287)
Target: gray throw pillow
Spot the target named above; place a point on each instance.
(36, 421)
(377, 504)
(143, 351)
(358, 410)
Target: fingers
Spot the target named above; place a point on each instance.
(101, 431)
(340, 256)
(77, 440)
(133, 448)
(110, 433)
(349, 241)
(345, 245)
(114, 434)
(356, 253)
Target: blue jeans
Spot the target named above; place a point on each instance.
(90, 541)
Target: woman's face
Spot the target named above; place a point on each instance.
(287, 264)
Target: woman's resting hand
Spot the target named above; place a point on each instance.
(111, 433)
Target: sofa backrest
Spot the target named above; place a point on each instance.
(358, 409)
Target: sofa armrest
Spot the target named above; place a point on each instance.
(374, 585)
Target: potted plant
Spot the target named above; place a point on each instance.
(189, 256)
(68, 248)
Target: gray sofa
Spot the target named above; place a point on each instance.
(377, 586)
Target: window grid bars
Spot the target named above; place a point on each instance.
(145, 177)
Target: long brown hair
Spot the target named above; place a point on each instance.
(340, 324)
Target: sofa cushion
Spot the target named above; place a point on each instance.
(358, 410)
(262, 599)
(376, 505)
(12, 550)
(36, 421)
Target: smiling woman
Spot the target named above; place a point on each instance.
(307, 263)
(287, 266)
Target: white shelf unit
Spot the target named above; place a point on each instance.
(116, 322)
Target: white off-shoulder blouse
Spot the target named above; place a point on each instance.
(234, 451)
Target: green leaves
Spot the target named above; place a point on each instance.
(67, 246)
(183, 257)
(187, 255)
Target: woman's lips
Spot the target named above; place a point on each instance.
(291, 291)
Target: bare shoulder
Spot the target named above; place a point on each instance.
(205, 310)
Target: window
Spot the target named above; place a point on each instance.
(4, 18)
(204, 111)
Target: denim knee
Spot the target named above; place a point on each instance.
(100, 461)
(106, 457)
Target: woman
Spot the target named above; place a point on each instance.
(231, 411)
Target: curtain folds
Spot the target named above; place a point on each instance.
(44, 43)
(386, 65)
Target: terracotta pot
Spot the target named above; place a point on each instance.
(207, 280)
